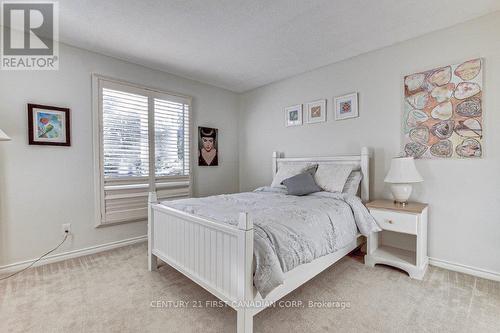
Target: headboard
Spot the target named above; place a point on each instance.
(360, 162)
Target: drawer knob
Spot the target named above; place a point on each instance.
(390, 221)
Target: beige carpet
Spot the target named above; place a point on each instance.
(113, 292)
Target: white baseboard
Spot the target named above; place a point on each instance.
(72, 254)
(482, 273)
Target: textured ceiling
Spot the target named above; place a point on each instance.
(240, 45)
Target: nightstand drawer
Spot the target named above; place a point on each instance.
(394, 221)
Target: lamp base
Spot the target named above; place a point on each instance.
(402, 204)
(401, 193)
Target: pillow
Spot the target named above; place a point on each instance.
(301, 184)
(332, 177)
(352, 183)
(289, 170)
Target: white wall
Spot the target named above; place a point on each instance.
(464, 195)
(44, 187)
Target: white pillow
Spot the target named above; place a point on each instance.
(352, 183)
(332, 177)
(289, 170)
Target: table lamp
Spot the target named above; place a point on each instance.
(401, 176)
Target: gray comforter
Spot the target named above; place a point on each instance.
(288, 230)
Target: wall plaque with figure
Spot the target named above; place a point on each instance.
(207, 147)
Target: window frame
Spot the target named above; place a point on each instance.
(155, 183)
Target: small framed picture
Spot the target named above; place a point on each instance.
(316, 111)
(293, 115)
(48, 125)
(346, 106)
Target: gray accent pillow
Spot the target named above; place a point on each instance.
(352, 183)
(288, 170)
(301, 184)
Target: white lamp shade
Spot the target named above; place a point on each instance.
(403, 170)
(3, 136)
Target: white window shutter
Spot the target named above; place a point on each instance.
(125, 134)
(172, 153)
(129, 117)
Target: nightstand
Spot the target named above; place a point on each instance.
(402, 243)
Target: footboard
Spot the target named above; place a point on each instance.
(219, 257)
(216, 256)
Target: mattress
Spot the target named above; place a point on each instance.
(288, 230)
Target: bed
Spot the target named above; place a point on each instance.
(219, 250)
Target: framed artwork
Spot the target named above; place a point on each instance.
(293, 115)
(208, 154)
(48, 125)
(442, 113)
(316, 111)
(346, 106)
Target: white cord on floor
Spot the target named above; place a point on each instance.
(37, 260)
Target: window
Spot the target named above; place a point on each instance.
(142, 144)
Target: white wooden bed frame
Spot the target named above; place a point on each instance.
(219, 257)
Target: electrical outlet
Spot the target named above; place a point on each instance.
(66, 228)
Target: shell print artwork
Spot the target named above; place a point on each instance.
(443, 148)
(444, 93)
(443, 112)
(415, 149)
(469, 148)
(415, 81)
(469, 69)
(469, 128)
(466, 89)
(441, 76)
(420, 134)
(443, 129)
(418, 100)
(415, 117)
(469, 108)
